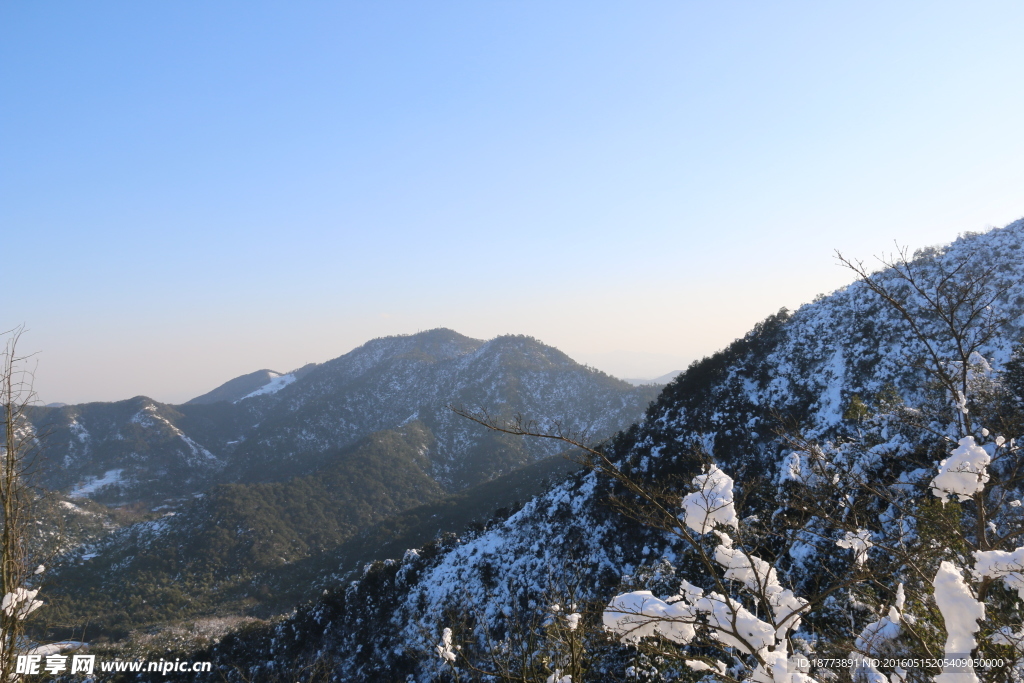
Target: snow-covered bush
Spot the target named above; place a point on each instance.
(546, 641)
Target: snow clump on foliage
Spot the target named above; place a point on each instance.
(711, 504)
(964, 473)
(859, 542)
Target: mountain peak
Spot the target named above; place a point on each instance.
(439, 341)
(237, 388)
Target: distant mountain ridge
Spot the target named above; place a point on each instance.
(659, 381)
(237, 388)
(246, 386)
(264, 426)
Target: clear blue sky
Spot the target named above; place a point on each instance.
(194, 190)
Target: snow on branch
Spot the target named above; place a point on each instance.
(712, 503)
(964, 473)
(961, 613)
(859, 543)
(999, 564)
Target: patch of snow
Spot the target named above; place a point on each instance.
(1003, 565)
(963, 473)
(55, 648)
(859, 543)
(711, 504)
(873, 638)
(93, 484)
(639, 614)
(148, 417)
(80, 432)
(275, 385)
(961, 613)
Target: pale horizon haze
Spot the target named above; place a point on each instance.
(194, 191)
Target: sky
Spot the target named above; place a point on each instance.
(190, 191)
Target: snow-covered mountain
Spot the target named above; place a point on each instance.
(392, 381)
(268, 426)
(802, 368)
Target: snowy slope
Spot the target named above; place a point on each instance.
(805, 366)
(237, 388)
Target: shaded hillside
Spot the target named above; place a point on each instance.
(259, 549)
(204, 558)
(469, 511)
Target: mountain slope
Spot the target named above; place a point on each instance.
(802, 368)
(204, 558)
(246, 385)
(259, 549)
(130, 449)
(237, 388)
